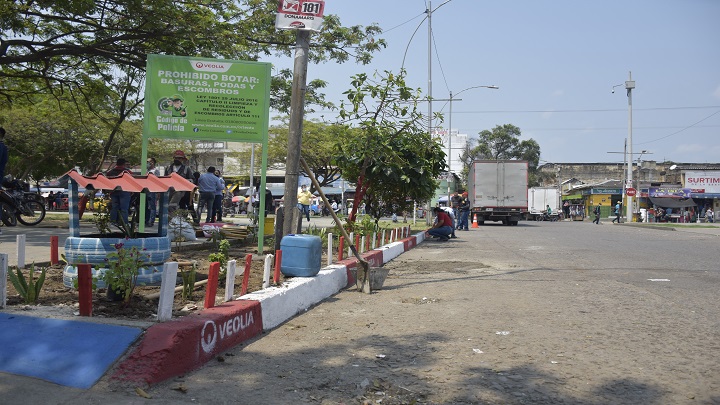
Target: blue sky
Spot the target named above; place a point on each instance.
(556, 63)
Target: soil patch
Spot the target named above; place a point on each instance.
(141, 308)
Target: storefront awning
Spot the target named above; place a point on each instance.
(572, 197)
(669, 202)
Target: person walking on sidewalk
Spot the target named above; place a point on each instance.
(597, 214)
(304, 199)
(617, 213)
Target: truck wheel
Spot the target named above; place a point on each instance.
(513, 223)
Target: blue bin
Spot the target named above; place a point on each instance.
(301, 255)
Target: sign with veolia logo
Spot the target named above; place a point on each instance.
(208, 99)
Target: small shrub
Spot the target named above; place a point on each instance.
(123, 269)
(221, 256)
(28, 289)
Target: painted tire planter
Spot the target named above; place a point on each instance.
(94, 250)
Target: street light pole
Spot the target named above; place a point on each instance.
(629, 86)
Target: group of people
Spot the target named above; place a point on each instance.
(446, 218)
(54, 201)
(210, 185)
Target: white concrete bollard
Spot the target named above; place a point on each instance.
(374, 240)
(167, 291)
(383, 237)
(20, 250)
(330, 249)
(230, 280)
(269, 261)
(350, 242)
(362, 244)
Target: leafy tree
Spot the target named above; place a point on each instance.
(393, 157)
(502, 142)
(95, 52)
(319, 148)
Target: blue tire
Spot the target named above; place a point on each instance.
(94, 251)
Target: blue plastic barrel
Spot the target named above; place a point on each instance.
(301, 255)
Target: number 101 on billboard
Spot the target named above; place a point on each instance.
(300, 14)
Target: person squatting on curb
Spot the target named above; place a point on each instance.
(442, 228)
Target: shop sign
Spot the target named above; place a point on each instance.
(606, 191)
(703, 181)
(669, 192)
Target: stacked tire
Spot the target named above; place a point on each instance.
(94, 251)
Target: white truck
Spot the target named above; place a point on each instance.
(498, 190)
(539, 198)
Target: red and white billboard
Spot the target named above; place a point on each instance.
(707, 181)
(300, 15)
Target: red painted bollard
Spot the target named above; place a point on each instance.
(85, 289)
(54, 258)
(278, 262)
(246, 275)
(341, 248)
(212, 285)
(357, 241)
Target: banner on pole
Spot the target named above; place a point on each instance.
(207, 99)
(306, 15)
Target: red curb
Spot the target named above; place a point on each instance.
(409, 242)
(173, 348)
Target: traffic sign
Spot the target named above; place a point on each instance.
(631, 192)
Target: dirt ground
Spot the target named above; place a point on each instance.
(55, 294)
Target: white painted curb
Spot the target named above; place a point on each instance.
(278, 304)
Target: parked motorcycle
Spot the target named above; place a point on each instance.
(20, 205)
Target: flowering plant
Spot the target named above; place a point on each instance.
(123, 268)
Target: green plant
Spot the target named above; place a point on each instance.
(128, 230)
(123, 268)
(222, 255)
(321, 232)
(188, 282)
(28, 289)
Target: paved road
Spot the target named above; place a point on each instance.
(594, 313)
